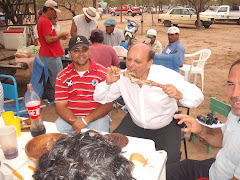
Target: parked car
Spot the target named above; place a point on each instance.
(127, 10)
(181, 15)
(165, 9)
(223, 13)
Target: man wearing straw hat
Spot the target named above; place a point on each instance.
(83, 24)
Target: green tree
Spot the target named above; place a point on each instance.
(17, 11)
(198, 5)
(71, 5)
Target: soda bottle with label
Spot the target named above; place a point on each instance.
(32, 102)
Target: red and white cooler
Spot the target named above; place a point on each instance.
(14, 37)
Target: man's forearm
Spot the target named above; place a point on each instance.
(213, 136)
(51, 39)
(66, 114)
(101, 111)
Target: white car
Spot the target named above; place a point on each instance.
(180, 15)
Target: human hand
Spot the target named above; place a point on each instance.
(64, 35)
(113, 74)
(78, 125)
(192, 125)
(172, 91)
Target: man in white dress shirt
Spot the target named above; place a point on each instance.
(83, 24)
(151, 109)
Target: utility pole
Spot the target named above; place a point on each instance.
(94, 3)
(121, 13)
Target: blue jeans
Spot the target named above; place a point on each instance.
(101, 124)
(54, 66)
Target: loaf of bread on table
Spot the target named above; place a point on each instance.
(138, 159)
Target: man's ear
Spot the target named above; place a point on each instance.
(69, 54)
(89, 51)
(150, 63)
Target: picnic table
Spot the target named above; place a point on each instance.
(154, 170)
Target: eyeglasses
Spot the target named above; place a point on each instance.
(78, 50)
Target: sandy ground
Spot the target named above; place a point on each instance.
(222, 39)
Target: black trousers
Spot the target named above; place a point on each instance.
(167, 138)
(189, 169)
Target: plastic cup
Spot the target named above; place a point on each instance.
(8, 142)
(7, 116)
(16, 122)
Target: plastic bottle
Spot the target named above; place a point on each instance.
(32, 102)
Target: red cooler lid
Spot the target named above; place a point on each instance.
(13, 31)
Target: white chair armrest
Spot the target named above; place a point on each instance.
(191, 55)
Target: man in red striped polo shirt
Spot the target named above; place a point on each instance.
(74, 90)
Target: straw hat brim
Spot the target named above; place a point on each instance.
(90, 17)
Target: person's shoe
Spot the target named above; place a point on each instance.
(124, 108)
(51, 103)
(120, 101)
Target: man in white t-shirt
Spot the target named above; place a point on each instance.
(83, 24)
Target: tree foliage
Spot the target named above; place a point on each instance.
(198, 5)
(16, 11)
(71, 5)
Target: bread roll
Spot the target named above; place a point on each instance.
(138, 159)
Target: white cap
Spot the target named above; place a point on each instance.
(173, 30)
(52, 4)
(151, 33)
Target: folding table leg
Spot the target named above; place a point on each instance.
(194, 138)
(209, 149)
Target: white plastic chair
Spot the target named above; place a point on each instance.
(197, 66)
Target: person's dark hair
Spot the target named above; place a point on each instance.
(151, 55)
(96, 38)
(87, 156)
(235, 63)
(44, 9)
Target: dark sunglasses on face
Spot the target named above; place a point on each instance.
(80, 50)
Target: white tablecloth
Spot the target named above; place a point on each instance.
(154, 170)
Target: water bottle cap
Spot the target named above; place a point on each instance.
(29, 86)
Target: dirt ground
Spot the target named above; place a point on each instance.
(222, 39)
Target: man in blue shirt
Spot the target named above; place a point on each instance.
(174, 45)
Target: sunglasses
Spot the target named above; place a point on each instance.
(78, 50)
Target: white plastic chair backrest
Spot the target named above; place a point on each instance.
(204, 55)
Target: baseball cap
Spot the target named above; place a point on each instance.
(151, 33)
(52, 4)
(110, 22)
(97, 33)
(173, 30)
(77, 41)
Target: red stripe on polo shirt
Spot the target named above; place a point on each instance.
(78, 91)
